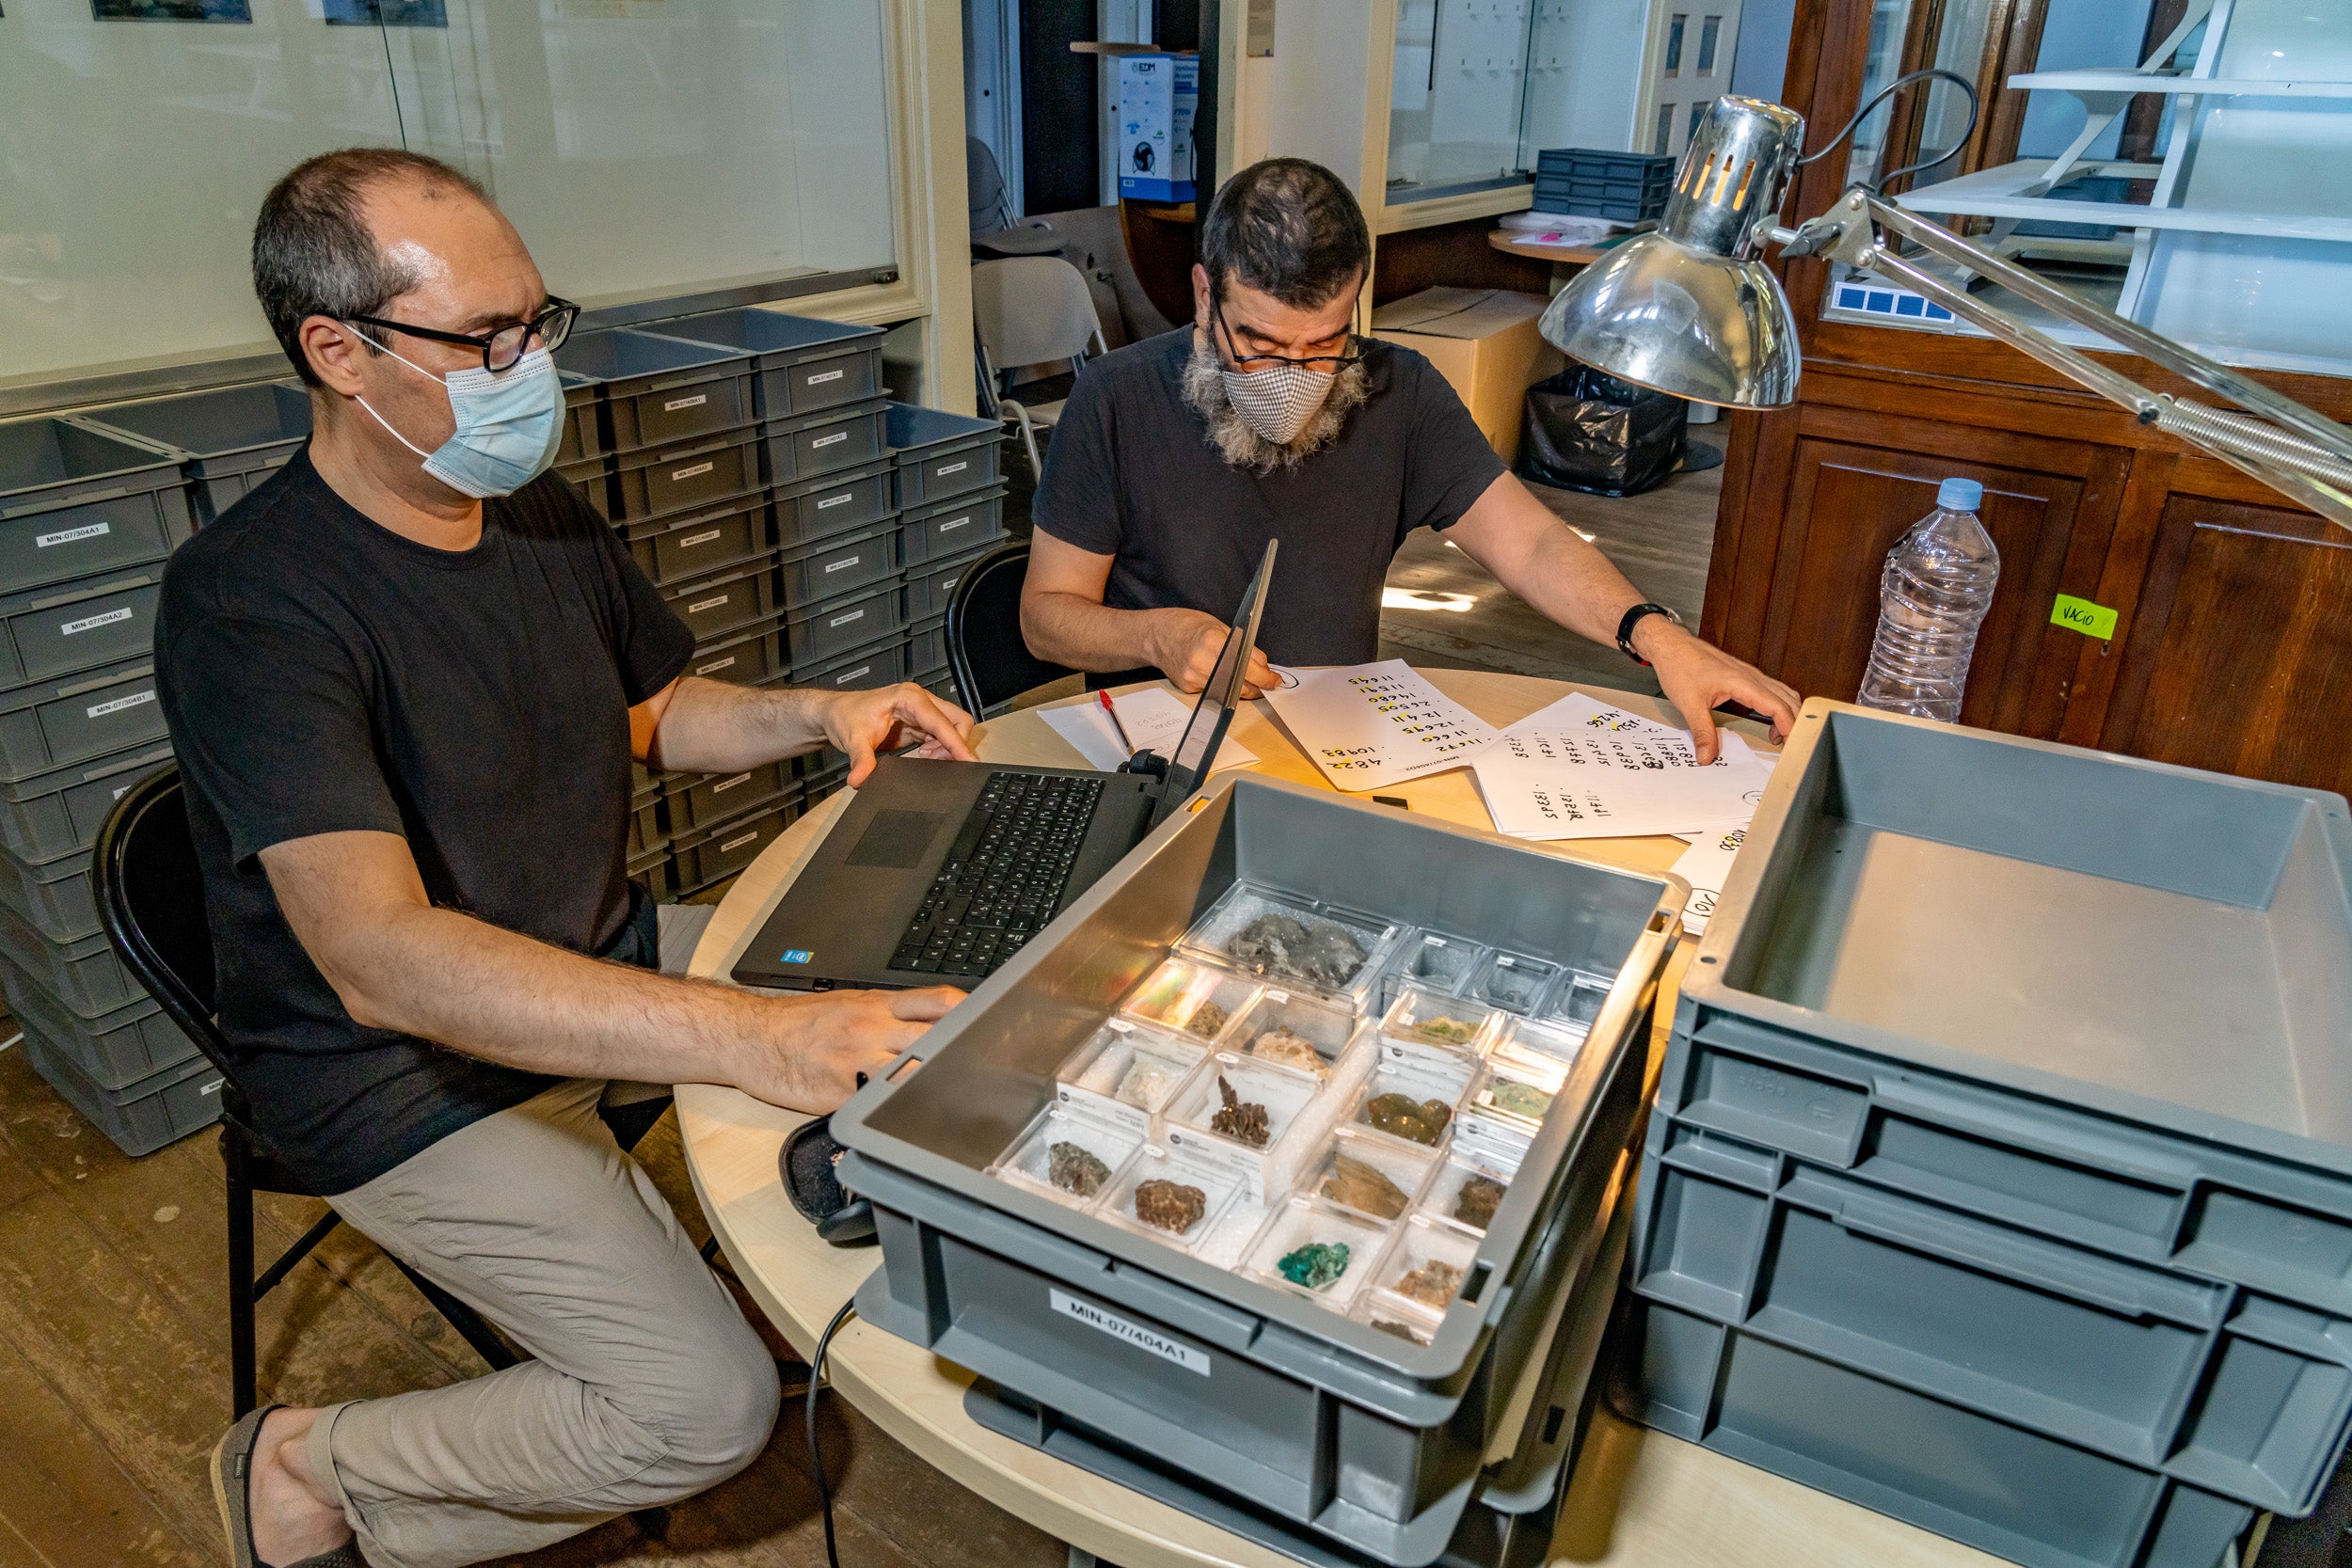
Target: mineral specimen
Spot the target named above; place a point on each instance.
(1290, 1048)
(1432, 1284)
(1245, 1119)
(1147, 1083)
(1402, 1330)
(1401, 1116)
(1314, 1265)
(1520, 1100)
(1169, 1205)
(1321, 954)
(1476, 1202)
(1362, 1188)
(1453, 1031)
(1076, 1170)
(1207, 1019)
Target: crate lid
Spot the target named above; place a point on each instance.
(774, 337)
(226, 421)
(618, 357)
(47, 462)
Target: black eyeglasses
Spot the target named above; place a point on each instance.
(1327, 364)
(503, 348)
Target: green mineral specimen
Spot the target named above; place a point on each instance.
(1314, 1265)
(1453, 1031)
(1420, 1121)
(1520, 1100)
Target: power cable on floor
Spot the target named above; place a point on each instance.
(816, 1454)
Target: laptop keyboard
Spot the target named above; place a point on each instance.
(1003, 879)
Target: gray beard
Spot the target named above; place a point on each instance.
(1203, 386)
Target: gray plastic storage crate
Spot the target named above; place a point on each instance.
(1365, 1440)
(926, 649)
(677, 548)
(726, 847)
(697, 800)
(659, 391)
(56, 896)
(57, 813)
(75, 500)
(115, 1049)
(50, 724)
(143, 1117)
(583, 428)
(228, 441)
(658, 483)
(651, 870)
(959, 526)
(828, 507)
(862, 669)
(825, 632)
(803, 364)
(810, 446)
(2007, 1119)
(930, 586)
(77, 625)
(86, 976)
(644, 815)
(748, 657)
(725, 604)
(819, 573)
(939, 454)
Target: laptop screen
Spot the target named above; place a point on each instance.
(1212, 715)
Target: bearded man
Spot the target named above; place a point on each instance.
(1177, 458)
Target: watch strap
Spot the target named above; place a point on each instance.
(1633, 618)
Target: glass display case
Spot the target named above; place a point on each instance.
(2186, 166)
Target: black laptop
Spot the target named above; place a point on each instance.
(939, 871)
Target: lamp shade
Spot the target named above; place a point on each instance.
(1689, 309)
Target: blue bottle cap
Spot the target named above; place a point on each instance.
(1959, 495)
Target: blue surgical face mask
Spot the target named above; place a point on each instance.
(508, 425)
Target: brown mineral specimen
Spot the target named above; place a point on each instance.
(1362, 1188)
(1076, 1170)
(1432, 1284)
(1476, 1202)
(1290, 1048)
(1207, 1019)
(1422, 1121)
(1244, 1119)
(1402, 1330)
(1169, 1205)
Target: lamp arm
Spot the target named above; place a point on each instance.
(2312, 465)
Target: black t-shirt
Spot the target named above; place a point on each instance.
(1133, 474)
(321, 673)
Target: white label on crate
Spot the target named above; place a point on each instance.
(726, 663)
(845, 563)
(695, 401)
(950, 528)
(823, 376)
(134, 700)
(835, 500)
(676, 474)
(943, 471)
(93, 622)
(741, 840)
(703, 538)
(1135, 1334)
(698, 608)
(845, 619)
(212, 1087)
(726, 784)
(861, 669)
(71, 535)
(833, 440)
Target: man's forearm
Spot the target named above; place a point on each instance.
(1083, 635)
(1568, 581)
(715, 727)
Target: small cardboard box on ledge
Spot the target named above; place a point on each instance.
(1484, 341)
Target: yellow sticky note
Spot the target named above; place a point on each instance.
(2091, 620)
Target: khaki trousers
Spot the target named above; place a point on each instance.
(647, 1385)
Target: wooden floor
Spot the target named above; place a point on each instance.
(114, 1370)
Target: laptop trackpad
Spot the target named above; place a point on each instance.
(896, 839)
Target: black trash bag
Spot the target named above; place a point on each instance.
(1585, 430)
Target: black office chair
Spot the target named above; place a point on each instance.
(991, 660)
(150, 896)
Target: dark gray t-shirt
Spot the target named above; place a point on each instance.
(1131, 474)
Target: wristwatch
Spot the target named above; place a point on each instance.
(1633, 618)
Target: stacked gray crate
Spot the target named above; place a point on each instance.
(88, 513)
(2000, 1177)
(952, 503)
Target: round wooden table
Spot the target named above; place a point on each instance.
(1637, 1497)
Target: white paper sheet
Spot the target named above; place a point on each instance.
(1582, 770)
(1154, 718)
(1707, 865)
(1366, 725)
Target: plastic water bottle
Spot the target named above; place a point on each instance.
(1933, 598)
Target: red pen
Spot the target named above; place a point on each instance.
(1118, 728)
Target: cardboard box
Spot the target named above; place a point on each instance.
(1484, 343)
(1157, 97)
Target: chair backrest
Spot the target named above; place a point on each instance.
(991, 661)
(1033, 310)
(984, 188)
(150, 897)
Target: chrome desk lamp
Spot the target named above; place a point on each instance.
(1693, 311)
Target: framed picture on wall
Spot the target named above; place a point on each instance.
(171, 10)
(386, 13)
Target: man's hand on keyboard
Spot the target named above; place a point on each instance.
(863, 724)
(824, 1041)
